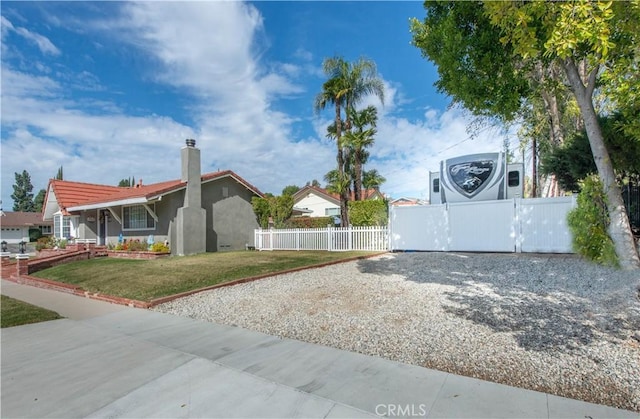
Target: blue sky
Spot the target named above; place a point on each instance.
(110, 90)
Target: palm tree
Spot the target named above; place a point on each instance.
(358, 139)
(371, 179)
(347, 84)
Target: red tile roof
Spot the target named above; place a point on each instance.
(69, 194)
(21, 219)
(73, 194)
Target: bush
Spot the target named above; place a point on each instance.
(309, 222)
(137, 245)
(34, 234)
(374, 212)
(159, 248)
(588, 223)
(45, 243)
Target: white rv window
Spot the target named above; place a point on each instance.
(436, 185)
(514, 178)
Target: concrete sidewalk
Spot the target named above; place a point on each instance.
(106, 360)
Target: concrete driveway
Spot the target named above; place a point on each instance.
(113, 361)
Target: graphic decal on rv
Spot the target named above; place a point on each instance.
(471, 177)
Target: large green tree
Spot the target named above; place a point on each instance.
(481, 74)
(22, 193)
(584, 38)
(537, 59)
(38, 201)
(290, 190)
(348, 83)
(474, 68)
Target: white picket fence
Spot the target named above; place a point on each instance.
(333, 239)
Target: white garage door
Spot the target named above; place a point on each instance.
(11, 234)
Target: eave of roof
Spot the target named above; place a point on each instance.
(153, 192)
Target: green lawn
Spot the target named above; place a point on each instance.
(15, 313)
(148, 279)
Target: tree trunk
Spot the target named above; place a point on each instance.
(357, 181)
(344, 217)
(619, 226)
(534, 168)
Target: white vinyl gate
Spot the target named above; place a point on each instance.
(512, 225)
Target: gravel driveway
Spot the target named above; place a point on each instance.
(551, 323)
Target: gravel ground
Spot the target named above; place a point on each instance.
(550, 323)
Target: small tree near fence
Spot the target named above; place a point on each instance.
(309, 222)
(373, 212)
(279, 208)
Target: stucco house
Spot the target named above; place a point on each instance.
(318, 202)
(15, 226)
(196, 213)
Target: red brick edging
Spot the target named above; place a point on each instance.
(78, 291)
(166, 299)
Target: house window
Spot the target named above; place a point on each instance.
(514, 178)
(61, 226)
(436, 185)
(45, 229)
(331, 211)
(137, 218)
(225, 192)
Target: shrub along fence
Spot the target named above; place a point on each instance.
(330, 238)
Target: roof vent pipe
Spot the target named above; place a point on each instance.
(191, 142)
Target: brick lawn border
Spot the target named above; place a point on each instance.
(78, 291)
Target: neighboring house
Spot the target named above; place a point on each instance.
(195, 213)
(407, 202)
(318, 202)
(15, 226)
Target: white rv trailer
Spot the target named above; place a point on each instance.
(476, 177)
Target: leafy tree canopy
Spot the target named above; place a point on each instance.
(290, 190)
(374, 212)
(278, 208)
(572, 161)
(38, 201)
(128, 182)
(22, 193)
(474, 68)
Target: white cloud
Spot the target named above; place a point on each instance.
(43, 43)
(207, 49)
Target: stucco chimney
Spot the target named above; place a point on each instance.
(191, 174)
(189, 231)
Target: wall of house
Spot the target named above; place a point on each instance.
(165, 210)
(230, 218)
(316, 204)
(88, 225)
